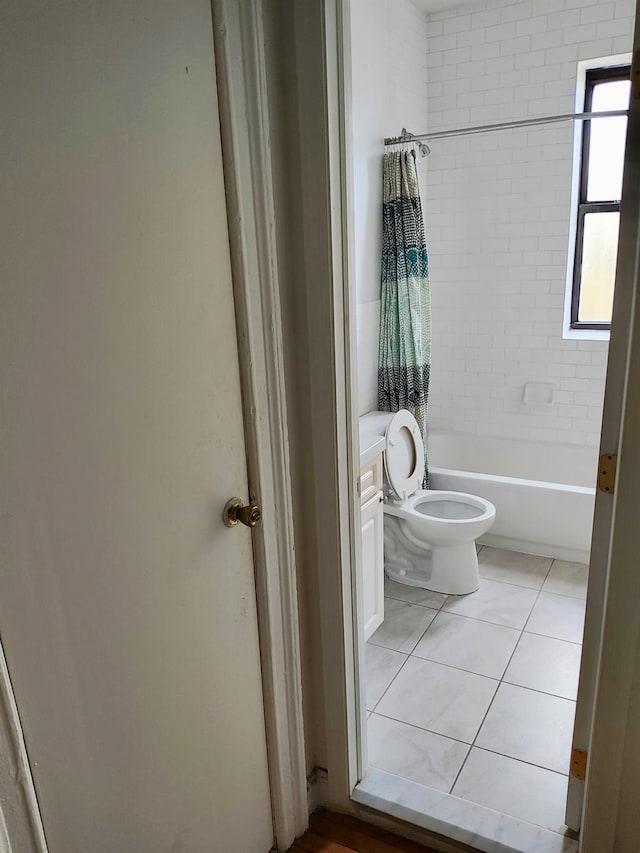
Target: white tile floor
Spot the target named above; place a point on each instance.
(475, 695)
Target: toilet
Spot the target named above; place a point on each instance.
(429, 536)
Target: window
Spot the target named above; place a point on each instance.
(598, 211)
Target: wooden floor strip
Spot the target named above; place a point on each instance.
(312, 843)
(330, 832)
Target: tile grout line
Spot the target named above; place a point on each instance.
(524, 628)
(482, 722)
(500, 682)
(534, 588)
(535, 689)
(424, 606)
(513, 583)
(554, 560)
(492, 580)
(408, 655)
(457, 668)
(521, 631)
(466, 744)
(424, 631)
(417, 603)
(384, 692)
(501, 624)
(521, 761)
(421, 728)
(552, 637)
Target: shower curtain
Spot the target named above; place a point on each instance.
(404, 357)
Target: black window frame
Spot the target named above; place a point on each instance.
(593, 77)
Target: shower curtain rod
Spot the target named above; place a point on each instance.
(505, 125)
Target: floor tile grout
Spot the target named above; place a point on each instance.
(430, 731)
(524, 627)
(421, 728)
(520, 631)
(488, 709)
(551, 637)
(498, 681)
(457, 668)
(493, 677)
(534, 588)
(563, 594)
(479, 729)
(519, 760)
(415, 603)
(484, 622)
(384, 692)
(472, 745)
(501, 681)
(380, 645)
(535, 690)
(492, 580)
(499, 624)
(541, 588)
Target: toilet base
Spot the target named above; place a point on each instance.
(450, 569)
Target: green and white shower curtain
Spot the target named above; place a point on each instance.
(404, 357)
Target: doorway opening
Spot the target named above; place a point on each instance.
(473, 694)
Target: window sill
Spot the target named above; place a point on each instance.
(586, 334)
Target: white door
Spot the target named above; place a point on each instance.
(127, 609)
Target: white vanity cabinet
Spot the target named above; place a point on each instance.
(372, 518)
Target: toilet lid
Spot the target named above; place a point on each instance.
(404, 454)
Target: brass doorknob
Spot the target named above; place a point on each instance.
(235, 511)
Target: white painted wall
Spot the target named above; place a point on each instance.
(497, 216)
(389, 93)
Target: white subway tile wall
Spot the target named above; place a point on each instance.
(497, 211)
(389, 92)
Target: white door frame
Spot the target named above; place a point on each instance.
(329, 318)
(610, 819)
(604, 569)
(20, 819)
(321, 104)
(244, 119)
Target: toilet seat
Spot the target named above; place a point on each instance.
(450, 506)
(468, 513)
(404, 454)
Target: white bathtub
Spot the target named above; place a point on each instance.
(544, 494)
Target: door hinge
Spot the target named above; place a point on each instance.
(359, 487)
(607, 472)
(579, 764)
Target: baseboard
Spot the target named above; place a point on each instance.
(556, 552)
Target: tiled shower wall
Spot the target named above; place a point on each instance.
(389, 92)
(497, 215)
